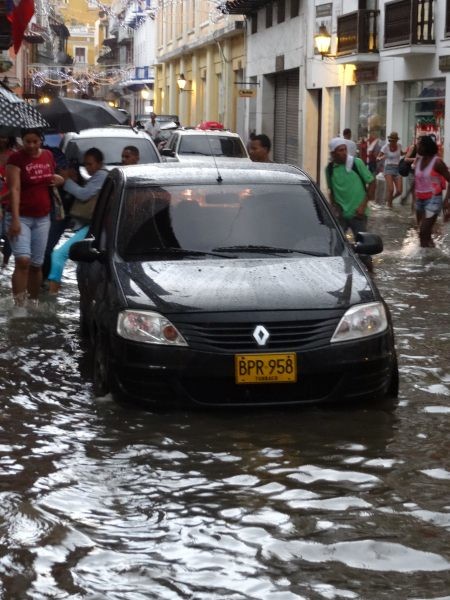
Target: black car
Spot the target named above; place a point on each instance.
(230, 286)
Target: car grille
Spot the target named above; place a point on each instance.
(238, 337)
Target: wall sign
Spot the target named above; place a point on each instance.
(444, 63)
(246, 93)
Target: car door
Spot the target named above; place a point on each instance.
(93, 277)
(169, 152)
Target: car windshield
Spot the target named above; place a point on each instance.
(112, 149)
(211, 145)
(250, 220)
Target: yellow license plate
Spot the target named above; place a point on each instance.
(265, 368)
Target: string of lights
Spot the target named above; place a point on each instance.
(148, 9)
(81, 79)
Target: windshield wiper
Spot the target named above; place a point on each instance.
(186, 252)
(268, 250)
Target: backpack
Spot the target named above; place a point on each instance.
(329, 173)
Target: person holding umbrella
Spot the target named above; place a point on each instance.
(29, 173)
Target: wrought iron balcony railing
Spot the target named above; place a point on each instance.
(242, 7)
(447, 18)
(29, 90)
(409, 22)
(357, 32)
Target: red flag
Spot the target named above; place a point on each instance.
(19, 15)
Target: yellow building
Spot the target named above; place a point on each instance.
(84, 20)
(206, 48)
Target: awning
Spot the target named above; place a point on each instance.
(110, 42)
(243, 7)
(60, 29)
(33, 38)
(136, 85)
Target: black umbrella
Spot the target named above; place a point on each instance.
(16, 114)
(71, 114)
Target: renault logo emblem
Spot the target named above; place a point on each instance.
(261, 335)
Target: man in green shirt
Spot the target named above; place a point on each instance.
(348, 179)
(350, 185)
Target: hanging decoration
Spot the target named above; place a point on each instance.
(135, 13)
(130, 15)
(80, 80)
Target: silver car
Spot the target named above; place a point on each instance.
(197, 145)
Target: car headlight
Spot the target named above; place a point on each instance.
(148, 327)
(361, 321)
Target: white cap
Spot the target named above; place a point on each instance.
(336, 142)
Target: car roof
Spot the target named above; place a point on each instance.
(233, 172)
(110, 131)
(197, 131)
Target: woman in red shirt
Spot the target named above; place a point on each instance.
(29, 173)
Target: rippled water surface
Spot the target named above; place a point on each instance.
(101, 501)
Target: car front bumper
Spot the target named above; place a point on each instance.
(359, 370)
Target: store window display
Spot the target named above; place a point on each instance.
(425, 101)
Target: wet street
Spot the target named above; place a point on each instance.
(102, 501)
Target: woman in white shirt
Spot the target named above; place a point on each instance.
(391, 154)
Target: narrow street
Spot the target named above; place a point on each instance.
(104, 501)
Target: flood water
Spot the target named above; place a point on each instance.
(101, 501)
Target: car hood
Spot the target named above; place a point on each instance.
(217, 285)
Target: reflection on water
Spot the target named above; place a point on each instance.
(102, 501)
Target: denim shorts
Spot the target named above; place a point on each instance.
(391, 170)
(430, 207)
(32, 240)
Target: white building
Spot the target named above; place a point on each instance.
(387, 69)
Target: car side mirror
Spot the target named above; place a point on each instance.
(84, 251)
(368, 243)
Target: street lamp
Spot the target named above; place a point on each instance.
(322, 41)
(181, 82)
(145, 94)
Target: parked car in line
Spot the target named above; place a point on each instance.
(110, 140)
(165, 133)
(229, 286)
(197, 146)
(162, 120)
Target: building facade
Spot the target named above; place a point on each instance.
(198, 44)
(392, 63)
(386, 69)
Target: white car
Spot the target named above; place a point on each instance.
(110, 140)
(200, 146)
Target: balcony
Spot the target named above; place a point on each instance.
(409, 28)
(29, 90)
(108, 56)
(35, 34)
(111, 42)
(242, 7)
(357, 37)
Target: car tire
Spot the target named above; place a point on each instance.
(394, 381)
(84, 323)
(101, 372)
